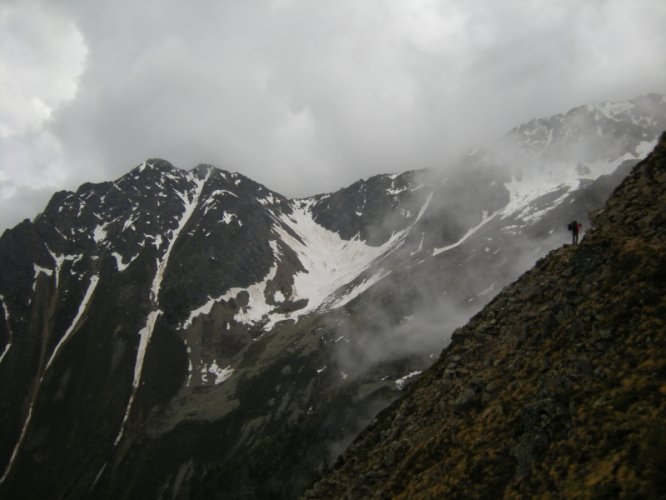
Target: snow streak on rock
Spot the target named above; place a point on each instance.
(119, 261)
(333, 303)
(59, 261)
(256, 308)
(37, 270)
(423, 208)
(70, 330)
(146, 332)
(220, 374)
(400, 383)
(82, 308)
(485, 219)
(9, 329)
(17, 447)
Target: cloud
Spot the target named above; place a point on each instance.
(307, 96)
(42, 55)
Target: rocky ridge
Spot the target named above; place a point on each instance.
(556, 389)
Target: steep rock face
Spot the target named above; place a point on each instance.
(557, 387)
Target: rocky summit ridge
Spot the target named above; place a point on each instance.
(556, 389)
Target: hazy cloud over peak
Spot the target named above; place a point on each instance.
(301, 95)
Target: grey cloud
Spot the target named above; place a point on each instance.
(307, 96)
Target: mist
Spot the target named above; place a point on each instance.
(404, 322)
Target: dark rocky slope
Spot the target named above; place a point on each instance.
(557, 388)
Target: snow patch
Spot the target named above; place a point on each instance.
(400, 383)
(531, 214)
(119, 261)
(330, 262)
(213, 198)
(268, 200)
(99, 233)
(227, 218)
(392, 191)
(130, 222)
(220, 374)
(522, 192)
(38, 269)
(256, 308)
(60, 260)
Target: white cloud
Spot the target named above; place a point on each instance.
(41, 58)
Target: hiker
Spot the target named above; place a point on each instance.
(575, 227)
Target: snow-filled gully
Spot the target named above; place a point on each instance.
(484, 220)
(17, 447)
(83, 306)
(146, 332)
(9, 330)
(330, 263)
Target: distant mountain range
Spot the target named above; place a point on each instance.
(194, 334)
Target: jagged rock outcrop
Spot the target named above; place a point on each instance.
(557, 388)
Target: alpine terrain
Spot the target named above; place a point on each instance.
(193, 334)
(556, 389)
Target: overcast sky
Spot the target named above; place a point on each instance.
(303, 96)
